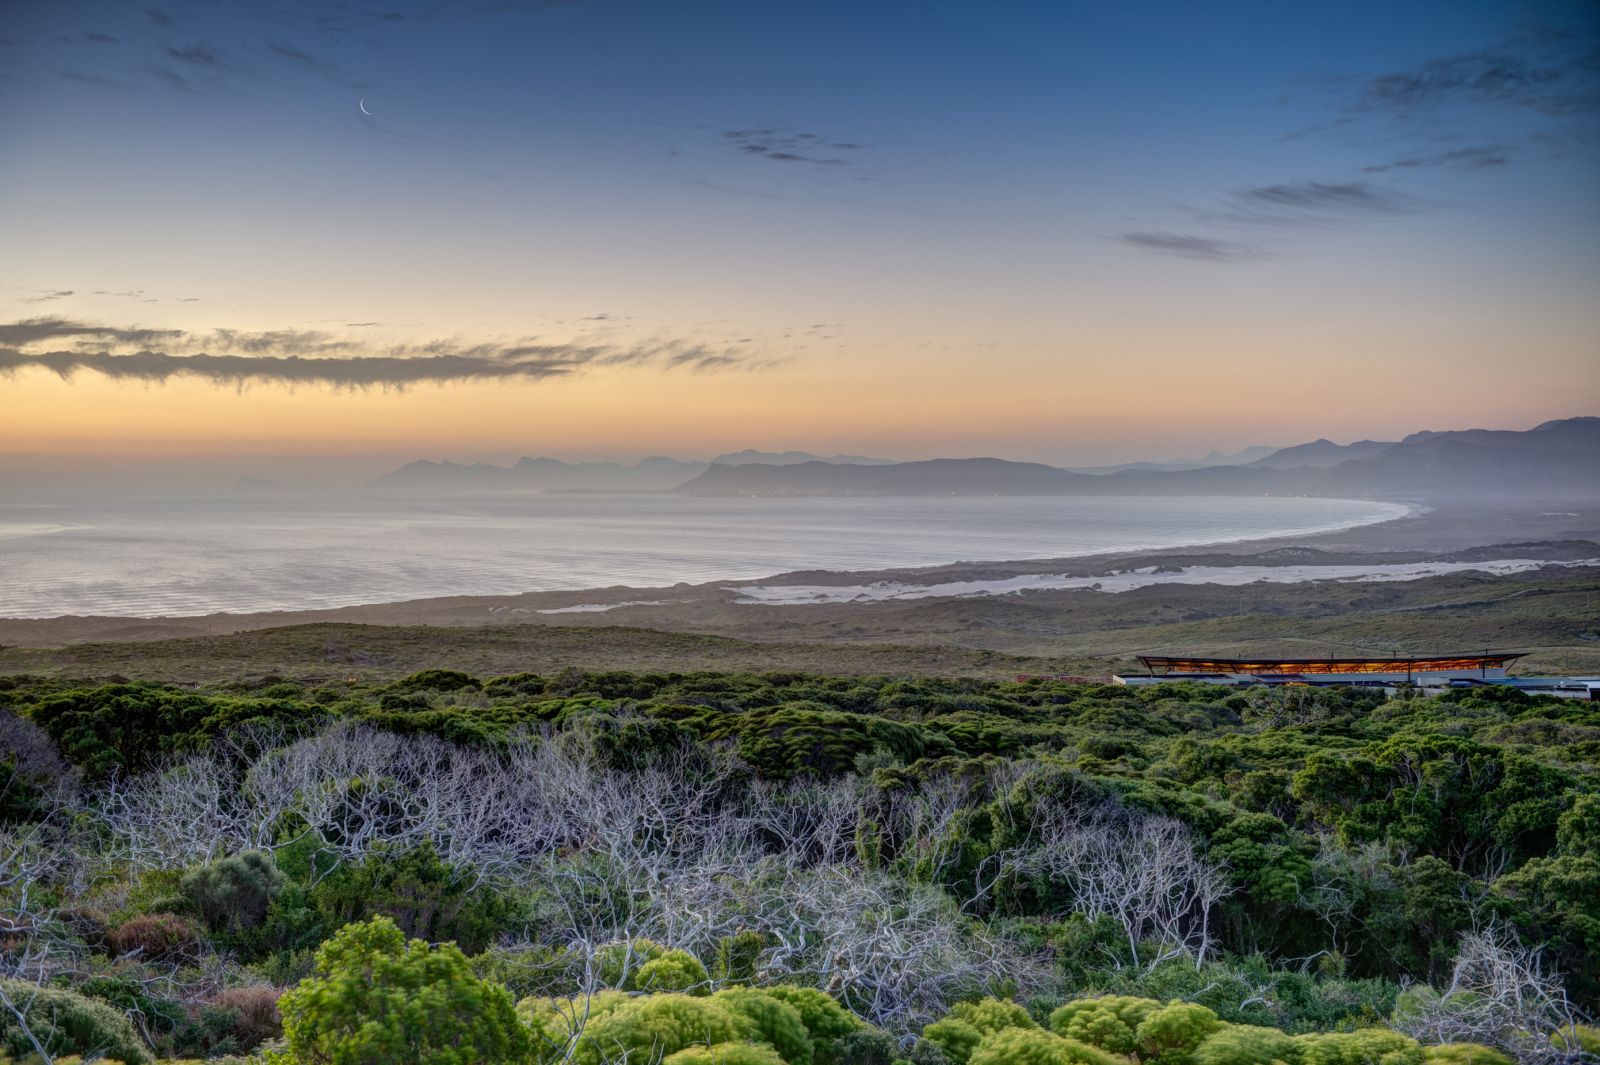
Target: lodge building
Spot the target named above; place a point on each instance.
(1418, 671)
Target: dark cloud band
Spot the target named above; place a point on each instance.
(235, 357)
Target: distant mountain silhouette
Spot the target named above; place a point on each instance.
(656, 473)
(1215, 458)
(1554, 460)
(1558, 459)
(1321, 453)
(793, 458)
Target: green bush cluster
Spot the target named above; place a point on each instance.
(645, 965)
(1117, 1029)
(736, 1024)
(1366, 834)
(65, 1022)
(375, 996)
(232, 895)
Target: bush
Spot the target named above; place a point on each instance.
(130, 727)
(1245, 1044)
(616, 964)
(425, 896)
(725, 1054)
(1169, 1035)
(1035, 1046)
(30, 769)
(65, 1022)
(252, 1015)
(826, 1021)
(437, 680)
(1250, 991)
(1359, 1048)
(955, 1039)
(1582, 1037)
(155, 937)
(959, 1034)
(377, 997)
(232, 894)
(553, 1022)
(738, 955)
(645, 1029)
(873, 1046)
(764, 1019)
(1463, 1054)
(1108, 1022)
(676, 970)
(528, 968)
(645, 965)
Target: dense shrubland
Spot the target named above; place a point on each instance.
(795, 870)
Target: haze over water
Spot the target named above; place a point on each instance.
(179, 558)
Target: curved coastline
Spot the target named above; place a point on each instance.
(839, 542)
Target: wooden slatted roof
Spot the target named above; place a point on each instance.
(1161, 665)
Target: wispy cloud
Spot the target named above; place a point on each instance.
(35, 330)
(202, 56)
(90, 79)
(1477, 158)
(1247, 215)
(1297, 200)
(785, 145)
(1189, 246)
(236, 357)
(1560, 78)
(1551, 75)
(310, 64)
(46, 297)
(170, 78)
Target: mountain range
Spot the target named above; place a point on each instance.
(1557, 459)
(654, 474)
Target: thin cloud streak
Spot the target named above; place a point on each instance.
(1558, 82)
(1188, 246)
(1478, 158)
(35, 330)
(784, 145)
(238, 358)
(1296, 199)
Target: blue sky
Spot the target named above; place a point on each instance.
(824, 204)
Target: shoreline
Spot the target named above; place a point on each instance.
(1379, 512)
(1426, 531)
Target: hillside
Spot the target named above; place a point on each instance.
(1556, 460)
(535, 475)
(1320, 453)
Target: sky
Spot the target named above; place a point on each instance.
(1063, 232)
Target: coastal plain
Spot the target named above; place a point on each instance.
(1550, 612)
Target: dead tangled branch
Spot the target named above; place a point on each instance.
(1501, 994)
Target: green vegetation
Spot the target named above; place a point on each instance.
(376, 997)
(1548, 612)
(794, 869)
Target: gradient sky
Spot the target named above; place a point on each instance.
(1056, 231)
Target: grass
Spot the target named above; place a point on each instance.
(1555, 616)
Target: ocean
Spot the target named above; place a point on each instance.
(201, 557)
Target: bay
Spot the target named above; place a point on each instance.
(201, 556)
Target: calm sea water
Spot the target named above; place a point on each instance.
(202, 557)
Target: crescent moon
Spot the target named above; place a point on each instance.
(363, 106)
